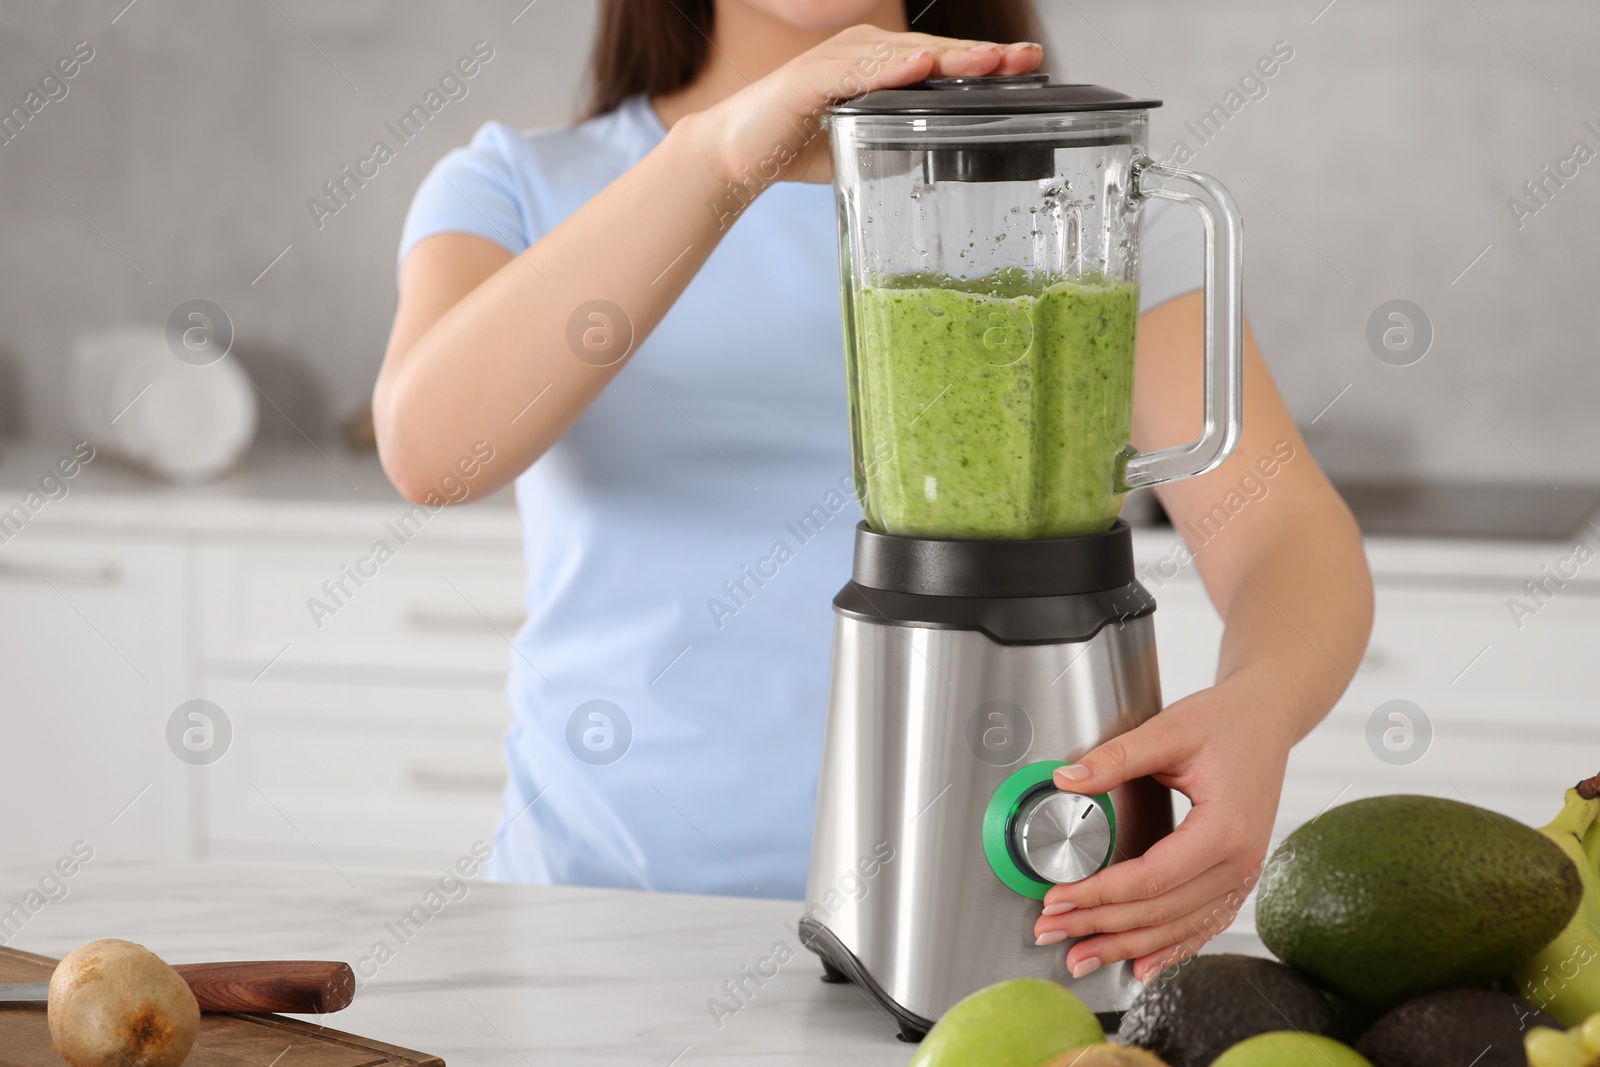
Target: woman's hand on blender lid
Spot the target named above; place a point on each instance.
(751, 133)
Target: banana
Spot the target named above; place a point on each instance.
(1591, 844)
(1564, 978)
(1545, 1047)
(1577, 1047)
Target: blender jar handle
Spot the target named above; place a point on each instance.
(1224, 328)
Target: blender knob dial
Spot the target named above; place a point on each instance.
(1063, 837)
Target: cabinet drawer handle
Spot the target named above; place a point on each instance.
(455, 779)
(436, 619)
(74, 572)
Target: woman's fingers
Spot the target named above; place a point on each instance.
(1151, 964)
(1151, 911)
(975, 59)
(1020, 57)
(893, 60)
(879, 59)
(775, 124)
(1195, 846)
(1160, 745)
(1190, 849)
(1177, 893)
(1189, 931)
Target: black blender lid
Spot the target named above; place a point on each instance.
(995, 95)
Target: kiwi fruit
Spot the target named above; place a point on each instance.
(115, 1004)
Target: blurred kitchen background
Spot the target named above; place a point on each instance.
(1375, 165)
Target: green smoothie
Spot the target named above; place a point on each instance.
(993, 407)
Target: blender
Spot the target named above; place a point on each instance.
(993, 630)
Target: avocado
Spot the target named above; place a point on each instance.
(1350, 1020)
(1192, 1011)
(1389, 897)
(1454, 1028)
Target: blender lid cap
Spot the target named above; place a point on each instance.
(992, 95)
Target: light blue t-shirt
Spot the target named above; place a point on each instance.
(685, 539)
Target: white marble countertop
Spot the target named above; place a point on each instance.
(326, 489)
(289, 487)
(505, 976)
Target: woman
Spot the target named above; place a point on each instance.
(630, 302)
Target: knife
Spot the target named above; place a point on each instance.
(303, 987)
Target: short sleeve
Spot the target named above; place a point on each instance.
(471, 190)
(1173, 255)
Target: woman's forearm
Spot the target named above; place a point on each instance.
(1298, 616)
(1280, 554)
(1289, 577)
(511, 350)
(501, 364)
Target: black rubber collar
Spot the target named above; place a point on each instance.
(1062, 566)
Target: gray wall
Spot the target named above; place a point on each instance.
(1377, 167)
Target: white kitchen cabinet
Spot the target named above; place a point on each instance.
(374, 739)
(428, 610)
(370, 741)
(92, 660)
(374, 775)
(1511, 711)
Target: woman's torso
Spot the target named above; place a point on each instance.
(683, 543)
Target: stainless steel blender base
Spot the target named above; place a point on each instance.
(840, 965)
(925, 724)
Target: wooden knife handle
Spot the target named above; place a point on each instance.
(304, 987)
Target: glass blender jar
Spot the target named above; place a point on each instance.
(993, 627)
(990, 238)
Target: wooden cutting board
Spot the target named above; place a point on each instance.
(225, 1040)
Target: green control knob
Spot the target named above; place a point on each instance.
(1035, 836)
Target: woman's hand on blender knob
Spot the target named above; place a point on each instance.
(770, 130)
(1225, 748)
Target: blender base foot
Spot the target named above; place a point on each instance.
(911, 1035)
(840, 966)
(836, 959)
(833, 975)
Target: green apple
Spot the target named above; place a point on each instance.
(1290, 1048)
(1025, 1022)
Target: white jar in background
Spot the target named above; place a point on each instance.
(130, 395)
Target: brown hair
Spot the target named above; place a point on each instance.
(658, 46)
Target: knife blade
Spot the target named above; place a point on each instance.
(301, 987)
